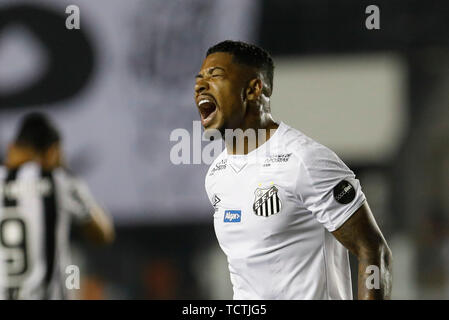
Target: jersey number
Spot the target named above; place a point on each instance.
(13, 239)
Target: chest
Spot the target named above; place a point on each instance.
(256, 202)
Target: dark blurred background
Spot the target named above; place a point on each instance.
(119, 86)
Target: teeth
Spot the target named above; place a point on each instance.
(203, 101)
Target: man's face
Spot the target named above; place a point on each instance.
(220, 92)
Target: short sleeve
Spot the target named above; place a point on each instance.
(79, 201)
(327, 187)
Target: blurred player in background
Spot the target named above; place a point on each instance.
(286, 207)
(39, 199)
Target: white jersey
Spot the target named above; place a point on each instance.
(275, 209)
(36, 209)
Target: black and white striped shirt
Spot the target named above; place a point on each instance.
(36, 209)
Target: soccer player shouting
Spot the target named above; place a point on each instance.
(287, 209)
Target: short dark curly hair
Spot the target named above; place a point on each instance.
(37, 131)
(247, 54)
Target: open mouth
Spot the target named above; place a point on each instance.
(208, 110)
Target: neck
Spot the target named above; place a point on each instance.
(18, 156)
(252, 133)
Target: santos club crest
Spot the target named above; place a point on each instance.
(267, 201)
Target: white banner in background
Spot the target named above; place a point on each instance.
(116, 130)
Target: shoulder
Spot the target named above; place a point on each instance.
(29, 171)
(63, 174)
(303, 146)
(217, 165)
(308, 152)
(65, 178)
(67, 183)
(72, 186)
(221, 159)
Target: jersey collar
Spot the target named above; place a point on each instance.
(239, 161)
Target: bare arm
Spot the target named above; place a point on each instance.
(363, 238)
(94, 221)
(99, 229)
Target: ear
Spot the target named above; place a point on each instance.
(254, 89)
(52, 157)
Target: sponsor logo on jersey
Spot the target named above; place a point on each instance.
(219, 166)
(344, 192)
(267, 201)
(277, 158)
(232, 216)
(215, 202)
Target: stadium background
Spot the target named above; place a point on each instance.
(118, 86)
